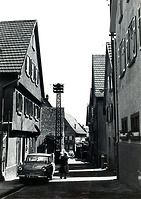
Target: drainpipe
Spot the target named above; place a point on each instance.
(1, 132)
(115, 96)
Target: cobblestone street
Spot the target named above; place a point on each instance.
(83, 181)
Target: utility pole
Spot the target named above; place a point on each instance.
(58, 89)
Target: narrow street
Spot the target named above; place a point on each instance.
(82, 182)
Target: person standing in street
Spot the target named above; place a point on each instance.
(64, 167)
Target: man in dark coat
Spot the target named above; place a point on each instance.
(64, 167)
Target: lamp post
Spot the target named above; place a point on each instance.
(58, 89)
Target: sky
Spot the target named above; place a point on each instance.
(70, 31)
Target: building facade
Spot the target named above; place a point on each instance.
(125, 28)
(46, 140)
(74, 136)
(21, 92)
(95, 115)
(109, 107)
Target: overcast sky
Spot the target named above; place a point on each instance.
(70, 31)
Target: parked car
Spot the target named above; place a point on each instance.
(37, 165)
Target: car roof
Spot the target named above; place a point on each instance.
(40, 154)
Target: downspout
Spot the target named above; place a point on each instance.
(115, 96)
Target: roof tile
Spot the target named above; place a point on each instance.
(14, 40)
(98, 62)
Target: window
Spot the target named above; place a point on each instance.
(135, 122)
(122, 58)
(70, 147)
(27, 65)
(66, 137)
(70, 137)
(110, 113)
(110, 83)
(31, 70)
(33, 76)
(19, 103)
(124, 123)
(120, 10)
(131, 43)
(37, 77)
(139, 22)
(26, 107)
(30, 109)
(36, 112)
(33, 42)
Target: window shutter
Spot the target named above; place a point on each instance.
(27, 67)
(30, 67)
(139, 22)
(134, 38)
(127, 48)
(119, 62)
(17, 101)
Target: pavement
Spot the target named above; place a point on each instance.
(10, 186)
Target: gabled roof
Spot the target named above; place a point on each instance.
(74, 124)
(98, 68)
(14, 40)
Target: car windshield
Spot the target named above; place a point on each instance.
(34, 158)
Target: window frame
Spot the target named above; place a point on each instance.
(26, 112)
(27, 65)
(36, 112)
(133, 120)
(139, 25)
(19, 103)
(120, 11)
(33, 42)
(110, 113)
(124, 123)
(131, 43)
(122, 58)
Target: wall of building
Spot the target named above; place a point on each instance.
(129, 84)
(109, 112)
(69, 138)
(130, 163)
(48, 127)
(102, 146)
